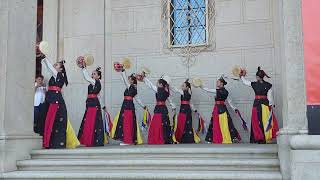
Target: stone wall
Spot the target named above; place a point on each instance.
(246, 33)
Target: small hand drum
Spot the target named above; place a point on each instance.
(80, 62)
(140, 77)
(237, 71)
(117, 66)
(126, 63)
(196, 82)
(44, 47)
(88, 59)
(145, 70)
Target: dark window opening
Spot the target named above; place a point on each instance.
(39, 35)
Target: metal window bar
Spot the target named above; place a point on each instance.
(188, 23)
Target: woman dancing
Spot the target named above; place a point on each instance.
(160, 131)
(264, 124)
(58, 132)
(91, 132)
(221, 129)
(184, 132)
(125, 127)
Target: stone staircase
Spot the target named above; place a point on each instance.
(202, 161)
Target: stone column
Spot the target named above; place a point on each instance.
(17, 71)
(294, 95)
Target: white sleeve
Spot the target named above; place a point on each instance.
(270, 97)
(173, 106)
(246, 82)
(49, 66)
(209, 90)
(176, 90)
(125, 79)
(231, 103)
(150, 84)
(138, 100)
(87, 77)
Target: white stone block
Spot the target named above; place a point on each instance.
(147, 18)
(228, 11)
(260, 57)
(136, 43)
(79, 46)
(257, 10)
(133, 3)
(4, 16)
(82, 17)
(244, 35)
(3, 4)
(162, 65)
(305, 164)
(122, 20)
(215, 64)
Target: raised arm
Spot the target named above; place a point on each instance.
(87, 77)
(124, 78)
(138, 100)
(49, 66)
(173, 106)
(270, 97)
(208, 90)
(176, 90)
(231, 103)
(245, 81)
(150, 84)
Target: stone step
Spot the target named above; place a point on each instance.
(244, 151)
(217, 164)
(146, 174)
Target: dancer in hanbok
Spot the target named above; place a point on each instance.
(91, 132)
(264, 125)
(58, 132)
(183, 130)
(221, 129)
(125, 126)
(160, 131)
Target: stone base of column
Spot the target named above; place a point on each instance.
(13, 148)
(283, 140)
(305, 157)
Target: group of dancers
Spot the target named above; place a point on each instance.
(55, 127)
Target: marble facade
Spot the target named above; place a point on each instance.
(247, 32)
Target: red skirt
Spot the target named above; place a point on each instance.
(160, 131)
(55, 126)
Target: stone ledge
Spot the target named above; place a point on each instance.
(305, 142)
(234, 175)
(18, 137)
(165, 149)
